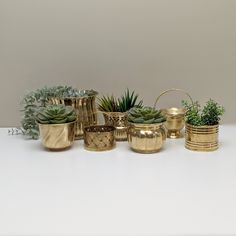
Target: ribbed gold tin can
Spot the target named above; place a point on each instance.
(120, 121)
(57, 136)
(201, 138)
(85, 108)
(146, 138)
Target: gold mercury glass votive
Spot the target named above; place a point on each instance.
(99, 137)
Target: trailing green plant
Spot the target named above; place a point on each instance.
(210, 114)
(145, 115)
(55, 114)
(34, 100)
(122, 104)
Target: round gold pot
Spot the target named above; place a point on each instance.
(201, 138)
(85, 108)
(174, 121)
(57, 136)
(120, 121)
(99, 137)
(146, 138)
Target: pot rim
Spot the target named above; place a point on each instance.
(146, 125)
(110, 127)
(114, 112)
(68, 123)
(202, 126)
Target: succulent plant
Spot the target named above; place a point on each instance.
(209, 115)
(145, 115)
(122, 104)
(56, 114)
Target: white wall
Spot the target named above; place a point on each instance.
(108, 45)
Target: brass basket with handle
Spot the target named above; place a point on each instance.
(174, 116)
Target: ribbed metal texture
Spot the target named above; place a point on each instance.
(201, 138)
(146, 138)
(85, 109)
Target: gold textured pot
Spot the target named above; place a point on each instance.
(174, 121)
(146, 138)
(85, 108)
(57, 136)
(99, 137)
(120, 121)
(201, 138)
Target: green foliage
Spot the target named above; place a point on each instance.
(34, 100)
(122, 104)
(209, 115)
(145, 115)
(56, 114)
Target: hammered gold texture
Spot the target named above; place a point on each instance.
(120, 121)
(99, 138)
(174, 121)
(85, 108)
(146, 138)
(57, 136)
(201, 138)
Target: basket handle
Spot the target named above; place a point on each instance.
(171, 90)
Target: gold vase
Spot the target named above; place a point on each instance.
(57, 136)
(146, 138)
(174, 121)
(174, 116)
(120, 121)
(85, 108)
(99, 138)
(201, 138)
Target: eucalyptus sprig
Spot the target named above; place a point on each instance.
(209, 115)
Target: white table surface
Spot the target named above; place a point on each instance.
(118, 192)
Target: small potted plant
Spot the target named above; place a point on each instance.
(202, 125)
(57, 126)
(146, 133)
(115, 111)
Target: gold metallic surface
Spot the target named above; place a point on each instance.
(99, 138)
(174, 121)
(201, 138)
(57, 136)
(174, 116)
(120, 121)
(85, 108)
(146, 138)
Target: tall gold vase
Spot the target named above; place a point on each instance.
(201, 138)
(85, 108)
(119, 120)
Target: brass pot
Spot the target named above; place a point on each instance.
(174, 121)
(85, 108)
(201, 138)
(120, 121)
(99, 138)
(146, 138)
(57, 136)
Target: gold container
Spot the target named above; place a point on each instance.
(99, 138)
(57, 136)
(85, 108)
(174, 116)
(146, 138)
(120, 121)
(201, 138)
(174, 121)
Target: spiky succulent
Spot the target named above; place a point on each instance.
(122, 104)
(56, 114)
(145, 115)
